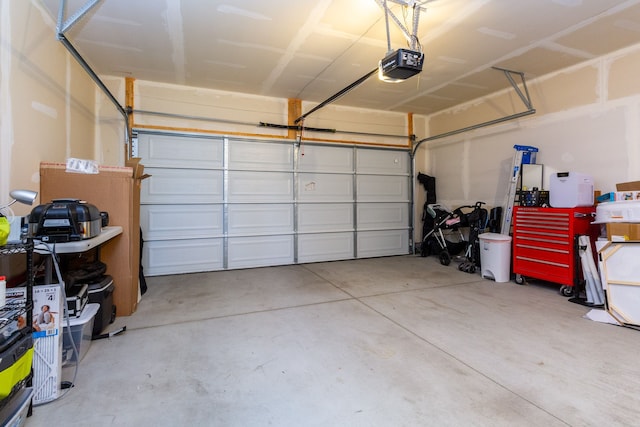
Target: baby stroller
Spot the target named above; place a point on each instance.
(477, 221)
(437, 218)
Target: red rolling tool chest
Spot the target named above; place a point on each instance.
(544, 245)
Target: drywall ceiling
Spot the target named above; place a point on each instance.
(311, 49)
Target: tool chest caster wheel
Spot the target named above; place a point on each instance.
(520, 279)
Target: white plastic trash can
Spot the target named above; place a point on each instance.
(495, 256)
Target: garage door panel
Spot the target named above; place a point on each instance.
(181, 221)
(217, 203)
(173, 186)
(382, 162)
(317, 187)
(260, 251)
(382, 243)
(325, 217)
(248, 186)
(373, 188)
(325, 247)
(264, 156)
(383, 215)
(180, 152)
(319, 158)
(260, 219)
(182, 256)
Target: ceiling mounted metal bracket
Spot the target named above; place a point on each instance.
(411, 36)
(73, 19)
(524, 96)
(526, 99)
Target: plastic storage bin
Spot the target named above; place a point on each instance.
(495, 256)
(81, 331)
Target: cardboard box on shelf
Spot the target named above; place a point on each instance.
(628, 186)
(623, 231)
(115, 190)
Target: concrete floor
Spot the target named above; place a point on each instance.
(398, 341)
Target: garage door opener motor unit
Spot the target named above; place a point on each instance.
(401, 64)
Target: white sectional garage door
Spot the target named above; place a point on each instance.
(216, 203)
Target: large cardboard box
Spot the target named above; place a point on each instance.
(623, 231)
(115, 190)
(628, 186)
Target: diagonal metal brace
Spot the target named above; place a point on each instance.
(60, 35)
(526, 99)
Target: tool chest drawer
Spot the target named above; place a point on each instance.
(544, 242)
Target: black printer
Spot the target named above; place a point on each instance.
(65, 220)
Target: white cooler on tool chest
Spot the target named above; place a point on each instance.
(570, 190)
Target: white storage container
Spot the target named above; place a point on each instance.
(622, 211)
(570, 190)
(495, 256)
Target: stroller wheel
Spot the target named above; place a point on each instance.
(445, 258)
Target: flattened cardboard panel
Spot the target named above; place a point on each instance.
(116, 191)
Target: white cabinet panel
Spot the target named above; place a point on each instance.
(383, 243)
(373, 188)
(180, 151)
(325, 217)
(382, 162)
(182, 256)
(317, 187)
(248, 186)
(383, 215)
(326, 159)
(260, 251)
(175, 186)
(325, 247)
(181, 221)
(260, 219)
(265, 156)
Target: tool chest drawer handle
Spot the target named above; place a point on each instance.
(557, 264)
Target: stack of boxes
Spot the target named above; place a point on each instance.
(619, 212)
(619, 216)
